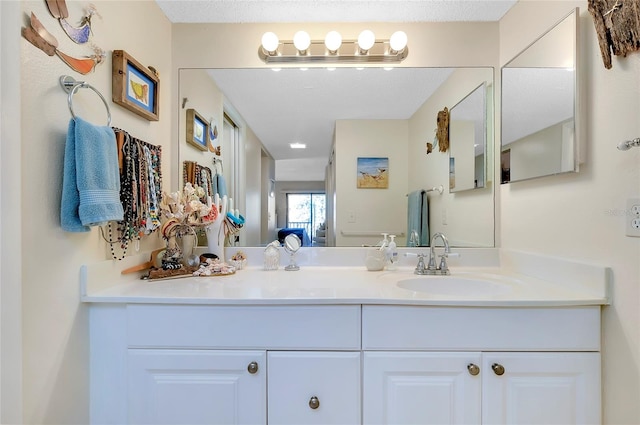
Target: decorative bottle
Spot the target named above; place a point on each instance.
(272, 256)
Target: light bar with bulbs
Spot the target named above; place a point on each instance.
(302, 49)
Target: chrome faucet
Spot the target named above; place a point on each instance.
(442, 268)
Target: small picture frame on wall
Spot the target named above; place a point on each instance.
(134, 86)
(373, 173)
(197, 130)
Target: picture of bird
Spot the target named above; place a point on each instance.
(373, 173)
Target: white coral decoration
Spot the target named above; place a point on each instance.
(185, 205)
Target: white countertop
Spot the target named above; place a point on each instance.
(575, 285)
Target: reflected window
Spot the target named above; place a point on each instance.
(306, 211)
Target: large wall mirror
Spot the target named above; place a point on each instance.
(348, 114)
(539, 107)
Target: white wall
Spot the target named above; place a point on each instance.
(362, 214)
(206, 99)
(582, 215)
(10, 217)
(54, 322)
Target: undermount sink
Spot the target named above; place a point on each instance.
(451, 285)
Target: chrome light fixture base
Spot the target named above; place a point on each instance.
(317, 52)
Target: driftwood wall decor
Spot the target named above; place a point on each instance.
(443, 130)
(617, 24)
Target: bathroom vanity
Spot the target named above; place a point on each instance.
(340, 345)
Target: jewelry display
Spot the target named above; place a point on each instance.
(140, 192)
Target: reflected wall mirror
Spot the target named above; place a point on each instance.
(467, 141)
(539, 107)
(351, 113)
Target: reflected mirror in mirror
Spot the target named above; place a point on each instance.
(539, 103)
(343, 114)
(467, 141)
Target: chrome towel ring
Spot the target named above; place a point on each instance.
(71, 86)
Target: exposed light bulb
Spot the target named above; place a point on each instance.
(302, 41)
(333, 41)
(398, 41)
(366, 40)
(270, 42)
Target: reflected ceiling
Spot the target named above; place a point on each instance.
(292, 105)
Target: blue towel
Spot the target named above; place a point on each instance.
(418, 216)
(91, 179)
(222, 185)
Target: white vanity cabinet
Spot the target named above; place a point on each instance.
(344, 364)
(482, 366)
(207, 364)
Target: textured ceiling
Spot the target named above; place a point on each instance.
(247, 11)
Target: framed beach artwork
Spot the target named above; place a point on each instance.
(134, 86)
(197, 130)
(373, 173)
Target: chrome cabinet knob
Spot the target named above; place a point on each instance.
(253, 367)
(498, 369)
(473, 369)
(314, 403)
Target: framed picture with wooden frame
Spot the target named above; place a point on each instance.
(134, 86)
(197, 130)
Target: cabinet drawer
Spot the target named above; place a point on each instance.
(244, 327)
(313, 388)
(490, 329)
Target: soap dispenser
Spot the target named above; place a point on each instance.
(393, 253)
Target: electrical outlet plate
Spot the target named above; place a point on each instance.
(632, 217)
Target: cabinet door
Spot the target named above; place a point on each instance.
(541, 388)
(196, 387)
(421, 388)
(314, 387)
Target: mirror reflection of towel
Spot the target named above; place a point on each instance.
(418, 216)
(91, 177)
(221, 185)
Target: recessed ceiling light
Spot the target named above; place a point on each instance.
(297, 145)
(276, 69)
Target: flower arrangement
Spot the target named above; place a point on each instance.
(181, 213)
(186, 207)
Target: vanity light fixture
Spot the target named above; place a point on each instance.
(333, 49)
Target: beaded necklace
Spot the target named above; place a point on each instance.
(140, 192)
